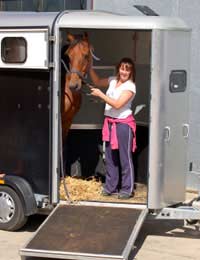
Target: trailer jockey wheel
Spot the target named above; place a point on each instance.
(192, 221)
(11, 210)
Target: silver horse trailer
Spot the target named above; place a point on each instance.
(30, 79)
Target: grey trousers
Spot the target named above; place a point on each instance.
(119, 163)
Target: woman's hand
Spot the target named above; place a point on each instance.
(96, 92)
(115, 103)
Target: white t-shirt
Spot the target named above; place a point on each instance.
(115, 93)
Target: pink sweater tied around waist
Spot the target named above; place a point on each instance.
(113, 138)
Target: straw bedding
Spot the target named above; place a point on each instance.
(90, 190)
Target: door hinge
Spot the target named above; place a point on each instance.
(51, 65)
(52, 38)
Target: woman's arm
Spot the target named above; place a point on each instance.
(115, 103)
(99, 82)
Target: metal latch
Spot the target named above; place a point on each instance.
(167, 133)
(185, 128)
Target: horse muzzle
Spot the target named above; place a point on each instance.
(75, 85)
(75, 88)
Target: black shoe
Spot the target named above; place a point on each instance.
(124, 196)
(105, 193)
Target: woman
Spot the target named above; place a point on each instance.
(119, 128)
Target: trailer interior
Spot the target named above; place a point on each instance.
(83, 150)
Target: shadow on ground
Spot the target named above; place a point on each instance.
(33, 223)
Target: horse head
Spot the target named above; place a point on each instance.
(79, 54)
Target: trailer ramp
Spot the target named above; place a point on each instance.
(87, 231)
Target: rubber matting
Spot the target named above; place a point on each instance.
(86, 229)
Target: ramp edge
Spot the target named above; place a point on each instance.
(68, 255)
(134, 233)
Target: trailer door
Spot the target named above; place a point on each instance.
(169, 127)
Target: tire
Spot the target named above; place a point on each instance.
(11, 210)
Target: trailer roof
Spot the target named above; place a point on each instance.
(27, 19)
(90, 19)
(108, 20)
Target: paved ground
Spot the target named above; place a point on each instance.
(166, 240)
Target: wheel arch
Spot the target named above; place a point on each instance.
(24, 191)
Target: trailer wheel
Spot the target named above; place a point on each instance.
(11, 210)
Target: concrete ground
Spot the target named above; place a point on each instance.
(166, 239)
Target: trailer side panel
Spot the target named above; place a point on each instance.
(24, 138)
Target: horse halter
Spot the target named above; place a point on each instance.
(67, 66)
(70, 71)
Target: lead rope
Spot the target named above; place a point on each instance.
(67, 195)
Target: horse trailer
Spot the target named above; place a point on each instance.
(30, 134)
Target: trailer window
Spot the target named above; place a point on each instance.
(14, 50)
(177, 81)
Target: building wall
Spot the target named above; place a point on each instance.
(189, 12)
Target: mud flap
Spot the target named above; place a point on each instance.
(87, 231)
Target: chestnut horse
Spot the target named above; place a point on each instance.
(78, 56)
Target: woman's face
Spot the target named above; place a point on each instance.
(124, 72)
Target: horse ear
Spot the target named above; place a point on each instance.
(70, 37)
(85, 36)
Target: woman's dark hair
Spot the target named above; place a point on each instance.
(129, 64)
